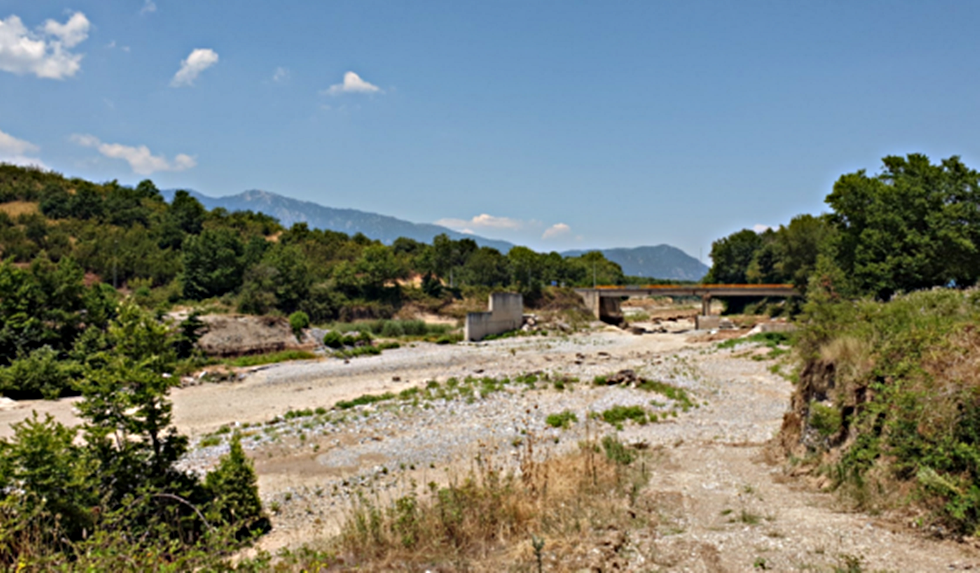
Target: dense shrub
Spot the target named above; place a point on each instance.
(41, 374)
(233, 488)
(298, 321)
(890, 392)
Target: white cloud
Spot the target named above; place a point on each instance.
(482, 221)
(18, 151)
(199, 60)
(71, 33)
(45, 52)
(148, 7)
(13, 146)
(352, 84)
(139, 158)
(760, 228)
(281, 75)
(556, 230)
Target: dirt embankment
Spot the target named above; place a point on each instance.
(238, 335)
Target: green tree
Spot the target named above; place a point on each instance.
(128, 416)
(21, 327)
(187, 213)
(377, 268)
(487, 267)
(731, 257)
(914, 226)
(234, 492)
(291, 279)
(213, 263)
(47, 486)
(800, 245)
(593, 267)
(41, 374)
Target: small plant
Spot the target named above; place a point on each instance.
(749, 518)
(537, 543)
(826, 420)
(616, 451)
(561, 420)
(847, 563)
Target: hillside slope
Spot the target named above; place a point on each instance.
(351, 221)
(660, 262)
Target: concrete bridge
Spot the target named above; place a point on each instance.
(604, 301)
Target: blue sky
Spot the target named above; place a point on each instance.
(553, 124)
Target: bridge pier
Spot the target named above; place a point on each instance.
(604, 308)
(706, 304)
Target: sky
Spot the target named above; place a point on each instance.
(554, 124)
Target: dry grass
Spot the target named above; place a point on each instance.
(489, 519)
(17, 208)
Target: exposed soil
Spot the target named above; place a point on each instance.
(720, 503)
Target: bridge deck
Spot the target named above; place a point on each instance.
(693, 290)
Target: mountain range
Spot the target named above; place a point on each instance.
(661, 261)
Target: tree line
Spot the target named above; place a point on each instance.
(914, 225)
(131, 238)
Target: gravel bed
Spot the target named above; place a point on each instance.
(378, 447)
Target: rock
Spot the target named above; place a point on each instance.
(623, 377)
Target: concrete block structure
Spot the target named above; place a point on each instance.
(506, 313)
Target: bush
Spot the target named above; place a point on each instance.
(562, 419)
(234, 492)
(40, 375)
(298, 321)
(392, 329)
(333, 339)
(893, 386)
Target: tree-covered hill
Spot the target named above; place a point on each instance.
(179, 251)
(379, 227)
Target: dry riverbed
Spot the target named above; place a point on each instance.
(719, 505)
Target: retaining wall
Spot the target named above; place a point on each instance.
(506, 313)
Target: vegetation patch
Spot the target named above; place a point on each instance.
(364, 400)
(464, 524)
(562, 419)
(617, 415)
(888, 401)
(273, 358)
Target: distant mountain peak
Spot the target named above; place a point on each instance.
(351, 221)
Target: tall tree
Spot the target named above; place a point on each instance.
(913, 226)
(731, 257)
(213, 263)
